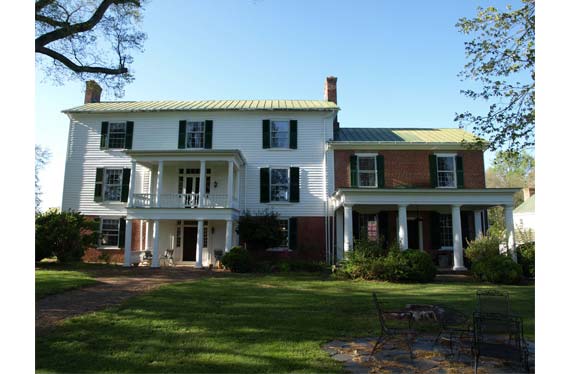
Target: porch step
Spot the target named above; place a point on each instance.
(452, 272)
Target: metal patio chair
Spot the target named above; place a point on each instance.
(489, 339)
(454, 327)
(404, 334)
(492, 302)
(168, 257)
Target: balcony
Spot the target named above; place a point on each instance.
(177, 200)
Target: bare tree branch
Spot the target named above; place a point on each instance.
(78, 68)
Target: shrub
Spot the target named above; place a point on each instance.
(526, 254)
(483, 247)
(497, 269)
(65, 235)
(238, 260)
(260, 231)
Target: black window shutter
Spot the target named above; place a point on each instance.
(266, 133)
(264, 183)
(354, 171)
(125, 185)
(381, 171)
(182, 134)
(208, 134)
(293, 134)
(432, 170)
(294, 184)
(98, 194)
(128, 135)
(104, 132)
(435, 230)
(122, 228)
(293, 233)
(459, 172)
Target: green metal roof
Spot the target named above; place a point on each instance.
(528, 206)
(204, 105)
(403, 135)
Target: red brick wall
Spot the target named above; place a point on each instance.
(411, 168)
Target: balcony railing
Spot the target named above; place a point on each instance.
(178, 200)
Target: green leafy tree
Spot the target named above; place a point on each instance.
(500, 60)
(65, 235)
(260, 231)
(42, 157)
(88, 39)
(509, 170)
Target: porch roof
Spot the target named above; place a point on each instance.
(424, 196)
(187, 155)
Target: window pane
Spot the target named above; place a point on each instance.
(279, 134)
(367, 179)
(445, 163)
(279, 176)
(446, 179)
(284, 229)
(112, 193)
(112, 184)
(446, 239)
(280, 142)
(277, 126)
(195, 134)
(117, 135)
(110, 232)
(367, 163)
(279, 193)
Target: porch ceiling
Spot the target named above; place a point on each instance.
(470, 198)
(152, 157)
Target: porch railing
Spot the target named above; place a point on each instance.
(178, 200)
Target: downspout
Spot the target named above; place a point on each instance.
(327, 223)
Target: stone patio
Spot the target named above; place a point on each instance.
(392, 359)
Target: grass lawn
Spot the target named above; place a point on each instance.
(48, 282)
(270, 323)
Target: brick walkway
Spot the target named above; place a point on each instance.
(115, 286)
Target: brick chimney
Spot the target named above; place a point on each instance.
(330, 94)
(528, 192)
(93, 92)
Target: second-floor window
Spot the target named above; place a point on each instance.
(116, 135)
(279, 184)
(112, 184)
(367, 172)
(279, 134)
(446, 171)
(195, 134)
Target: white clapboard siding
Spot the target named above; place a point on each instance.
(231, 130)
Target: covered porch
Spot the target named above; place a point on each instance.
(439, 221)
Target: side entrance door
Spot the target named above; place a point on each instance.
(189, 243)
(413, 233)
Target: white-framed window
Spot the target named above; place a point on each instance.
(367, 171)
(109, 232)
(280, 184)
(284, 228)
(116, 134)
(195, 134)
(446, 171)
(280, 130)
(446, 236)
(112, 184)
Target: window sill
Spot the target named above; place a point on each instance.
(279, 202)
(279, 149)
(113, 248)
(446, 188)
(368, 187)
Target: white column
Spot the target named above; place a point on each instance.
(156, 245)
(228, 241)
(147, 239)
(348, 229)
(478, 223)
(230, 183)
(509, 226)
(132, 184)
(238, 185)
(457, 236)
(202, 184)
(200, 235)
(159, 184)
(402, 227)
(141, 236)
(339, 217)
(128, 242)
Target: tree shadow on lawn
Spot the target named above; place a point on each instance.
(233, 324)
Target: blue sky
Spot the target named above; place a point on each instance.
(397, 62)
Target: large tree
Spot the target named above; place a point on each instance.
(88, 39)
(500, 61)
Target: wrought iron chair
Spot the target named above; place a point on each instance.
(489, 338)
(492, 302)
(454, 328)
(405, 334)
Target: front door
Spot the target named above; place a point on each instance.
(189, 243)
(413, 233)
(188, 186)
